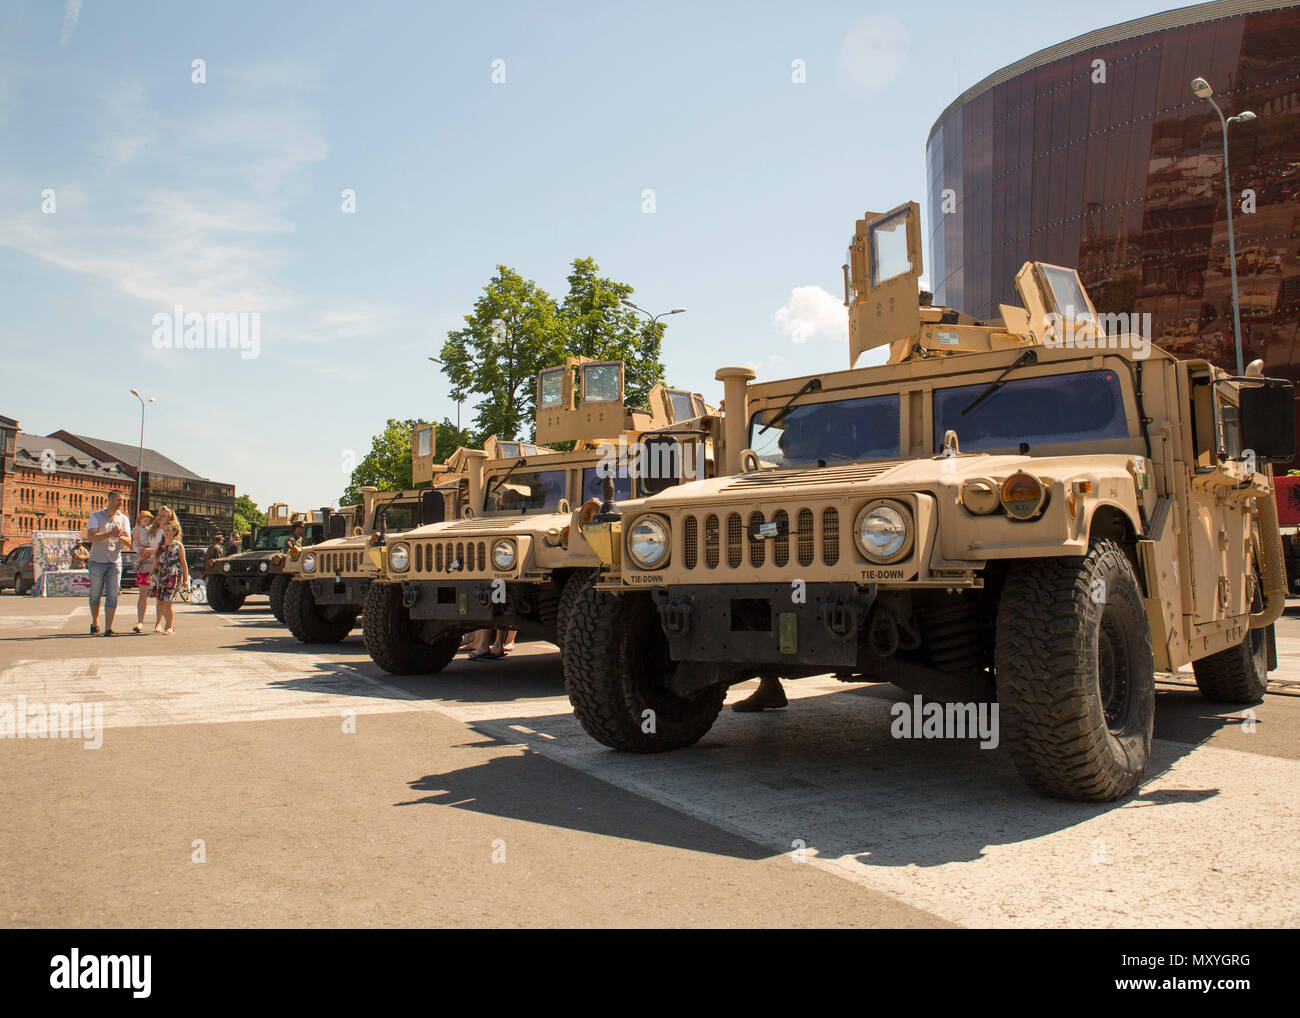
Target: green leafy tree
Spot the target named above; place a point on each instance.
(512, 333)
(387, 466)
(516, 329)
(598, 325)
(247, 515)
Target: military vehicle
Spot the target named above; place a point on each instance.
(517, 547)
(1025, 508)
(259, 567)
(327, 583)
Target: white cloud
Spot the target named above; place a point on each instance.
(811, 312)
(212, 243)
(71, 12)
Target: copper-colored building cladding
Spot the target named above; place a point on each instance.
(1122, 178)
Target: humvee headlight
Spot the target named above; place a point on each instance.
(309, 563)
(979, 496)
(1023, 495)
(225, 567)
(503, 555)
(399, 557)
(263, 566)
(647, 542)
(883, 531)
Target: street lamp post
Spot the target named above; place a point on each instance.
(458, 402)
(139, 458)
(1203, 90)
(653, 318)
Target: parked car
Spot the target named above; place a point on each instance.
(128, 569)
(16, 570)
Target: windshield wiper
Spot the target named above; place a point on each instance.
(502, 479)
(812, 385)
(1028, 357)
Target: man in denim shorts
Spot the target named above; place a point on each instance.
(108, 531)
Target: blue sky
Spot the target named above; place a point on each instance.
(226, 196)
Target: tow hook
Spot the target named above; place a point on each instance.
(410, 594)
(842, 616)
(674, 613)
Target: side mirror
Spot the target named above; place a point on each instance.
(246, 542)
(338, 526)
(432, 506)
(1267, 420)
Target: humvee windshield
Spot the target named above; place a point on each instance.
(848, 429)
(400, 516)
(591, 481)
(1050, 410)
(541, 489)
(272, 538)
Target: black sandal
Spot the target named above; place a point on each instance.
(485, 655)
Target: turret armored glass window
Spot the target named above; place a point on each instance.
(1081, 407)
(843, 430)
(423, 446)
(889, 255)
(552, 388)
(683, 410)
(1065, 294)
(602, 383)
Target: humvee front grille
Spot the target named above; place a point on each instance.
(816, 535)
(338, 561)
(449, 558)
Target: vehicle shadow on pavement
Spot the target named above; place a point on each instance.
(827, 773)
(534, 789)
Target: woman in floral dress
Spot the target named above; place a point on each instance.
(171, 575)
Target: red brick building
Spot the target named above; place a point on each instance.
(46, 484)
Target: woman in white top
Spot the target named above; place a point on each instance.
(145, 539)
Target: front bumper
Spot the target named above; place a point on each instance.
(485, 603)
(768, 627)
(340, 590)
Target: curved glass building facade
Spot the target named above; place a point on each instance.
(1095, 154)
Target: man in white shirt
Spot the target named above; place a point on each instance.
(108, 531)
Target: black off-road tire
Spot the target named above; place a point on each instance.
(312, 623)
(220, 598)
(279, 584)
(569, 594)
(615, 657)
(386, 627)
(1238, 674)
(1075, 676)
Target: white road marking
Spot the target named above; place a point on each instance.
(205, 688)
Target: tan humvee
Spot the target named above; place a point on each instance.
(327, 583)
(1024, 508)
(518, 548)
(259, 568)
